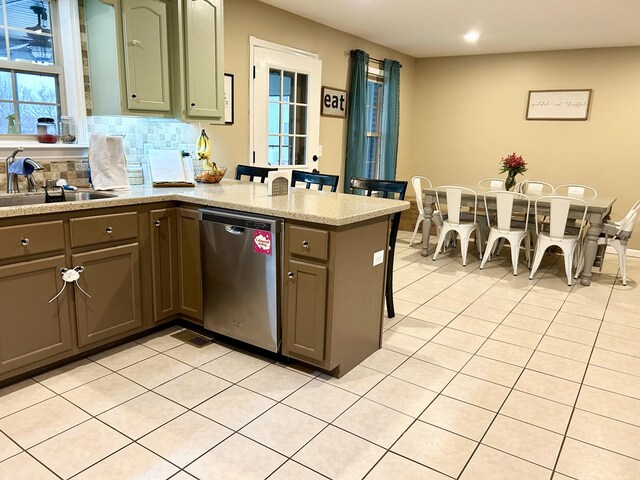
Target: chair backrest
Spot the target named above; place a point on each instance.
(453, 196)
(387, 188)
(629, 222)
(419, 183)
(502, 203)
(559, 207)
(492, 183)
(575, 190)
(536, 187)
(320, 179)
(253, 172)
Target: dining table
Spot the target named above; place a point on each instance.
(598, 208)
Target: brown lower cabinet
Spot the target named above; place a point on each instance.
(189, 267)
(164, 251)
(111, 305)
(333, 293)
(31, 328)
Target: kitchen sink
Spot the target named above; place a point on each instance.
(39, 198)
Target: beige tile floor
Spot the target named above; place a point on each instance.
(483, 375)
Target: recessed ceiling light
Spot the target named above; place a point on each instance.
(472, 36)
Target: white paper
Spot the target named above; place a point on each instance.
(169, 166)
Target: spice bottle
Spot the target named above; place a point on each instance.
(46, 130)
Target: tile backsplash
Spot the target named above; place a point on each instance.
(140, 135)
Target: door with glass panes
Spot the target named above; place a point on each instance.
(286, 109)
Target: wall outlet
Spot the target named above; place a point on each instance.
(378, 257)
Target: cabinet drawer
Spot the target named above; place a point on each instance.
(103, 229)
(30, 239)
(308, 242)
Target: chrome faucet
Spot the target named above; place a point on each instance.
(31, 183)
(12, 178)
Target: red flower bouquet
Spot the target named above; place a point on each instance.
(513, 165)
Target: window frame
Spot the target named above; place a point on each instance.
(71, 87)
(57, 68)
(375, 75)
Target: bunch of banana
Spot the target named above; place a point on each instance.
(203, 149)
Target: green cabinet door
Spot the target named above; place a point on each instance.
(204, 67)
(146, 55)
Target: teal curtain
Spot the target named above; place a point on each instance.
(390, 120)
(356, 130)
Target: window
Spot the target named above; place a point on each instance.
(287, 118)
(374, 119)
(30, 70)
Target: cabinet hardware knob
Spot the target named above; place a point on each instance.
(305, 245)
(133, 95)
(24, 242)
(109, 230)
(291, 275)
(193, 105)
(157, 223)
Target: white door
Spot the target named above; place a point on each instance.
(286, 107)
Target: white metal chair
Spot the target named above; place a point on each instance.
(453, 223)
(492, 183)
(558, 217)
(503, 229)
(616, 235)
(419, 183)
(575, 190)
(535, 187)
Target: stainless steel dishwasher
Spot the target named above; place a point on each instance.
(241, 275)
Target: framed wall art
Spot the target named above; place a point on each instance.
(558, 104)
(228, 99)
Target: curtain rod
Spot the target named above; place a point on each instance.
(347, 53)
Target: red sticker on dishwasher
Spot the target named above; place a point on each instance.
(262, 242)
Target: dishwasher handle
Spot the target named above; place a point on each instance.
(234, 230)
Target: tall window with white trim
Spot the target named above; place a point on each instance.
(30, 68)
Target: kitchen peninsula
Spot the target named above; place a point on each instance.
(137, 255)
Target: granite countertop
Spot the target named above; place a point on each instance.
(305, 205)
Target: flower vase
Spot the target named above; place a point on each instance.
(510, 182)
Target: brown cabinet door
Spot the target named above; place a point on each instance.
(31, 328)
(112, 278)
(164, 250)
(190, 291)
(305, 302)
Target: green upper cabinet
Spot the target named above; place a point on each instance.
(146, 55)
(204, 66)
(157, 57)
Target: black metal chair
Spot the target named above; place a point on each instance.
(253, 172)
(320, 179)
(385, 189)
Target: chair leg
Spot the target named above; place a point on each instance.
(464, 247)
(537, 258)
(391, 312)
(444, 233)
(491, 241)
(622, 259)
(415, 230)
(568, 264)
(515, 254)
